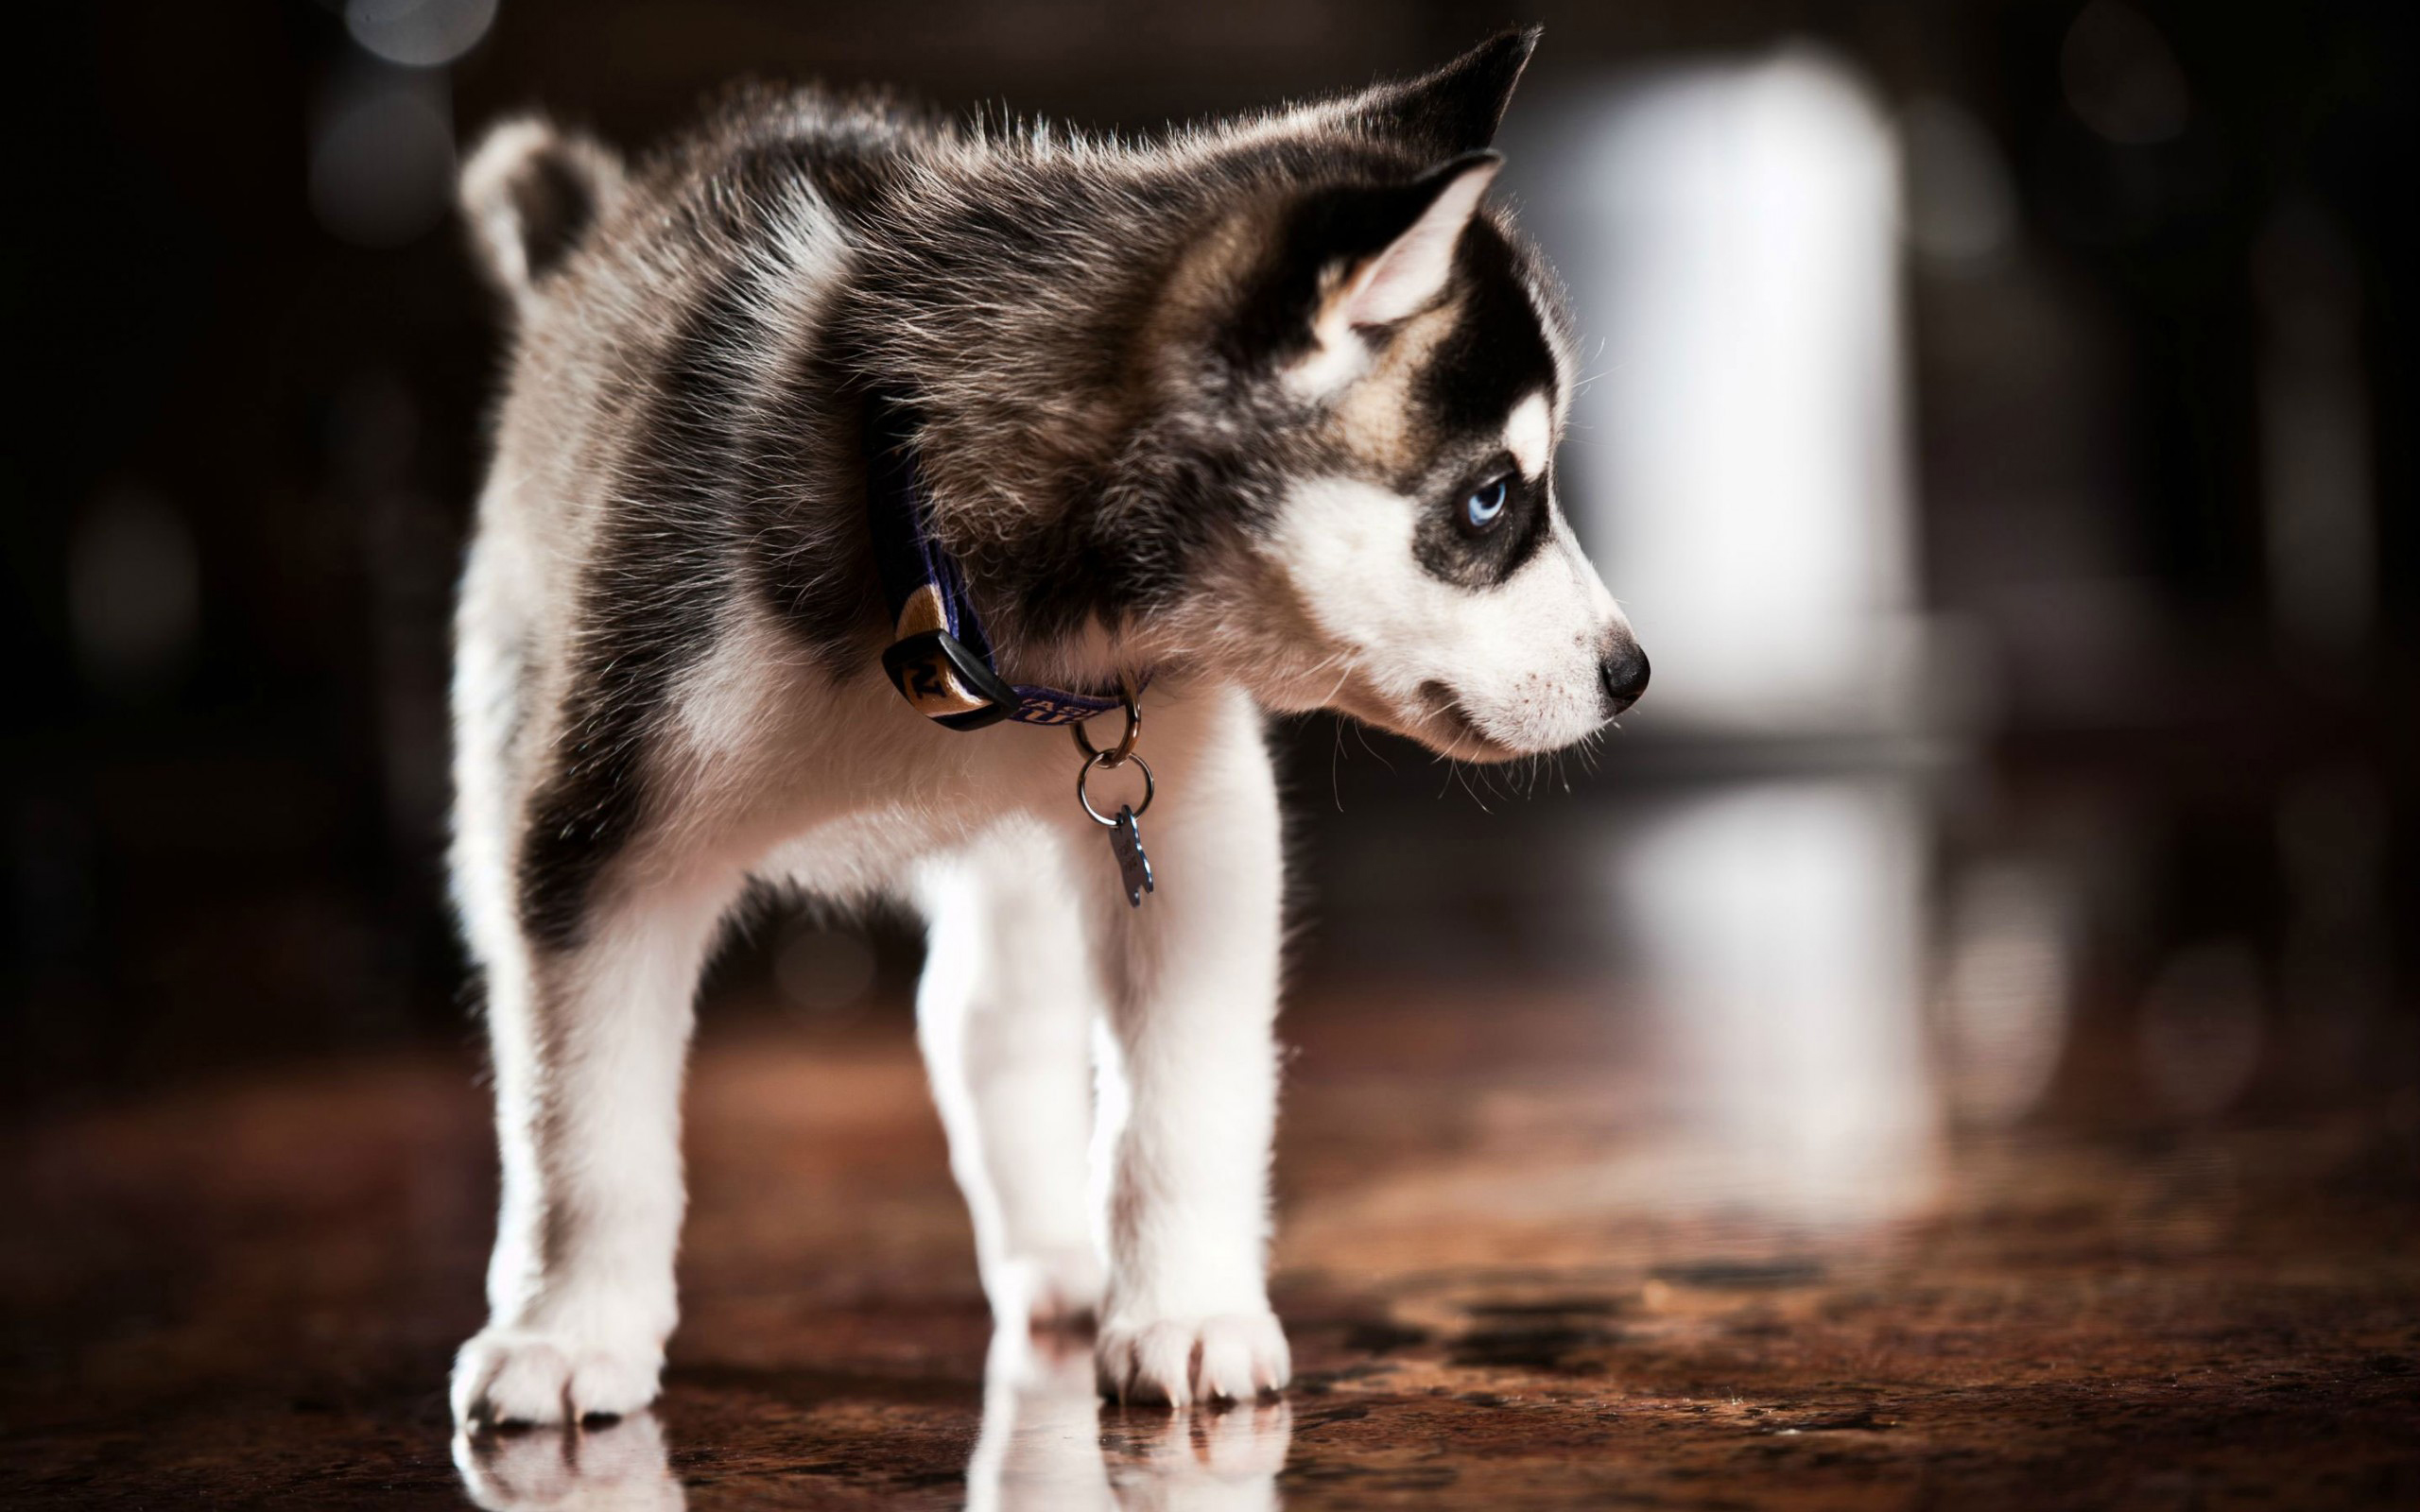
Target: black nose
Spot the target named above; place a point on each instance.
(1624, 674)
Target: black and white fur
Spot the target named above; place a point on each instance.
(1215, 405)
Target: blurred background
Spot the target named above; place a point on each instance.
(1993, 426)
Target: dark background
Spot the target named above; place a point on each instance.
(247, 446)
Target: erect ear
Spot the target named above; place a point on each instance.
(1364, 256)
(1411, 272)
(1354, 256)
(1456, 109)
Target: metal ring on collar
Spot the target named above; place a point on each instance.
(1125, 745)
(1101, 758)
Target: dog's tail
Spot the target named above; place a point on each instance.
(531, 191)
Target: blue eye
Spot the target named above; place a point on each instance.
(1485, 506)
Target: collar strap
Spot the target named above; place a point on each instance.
(939, 658)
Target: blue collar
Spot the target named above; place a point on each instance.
(939, 658)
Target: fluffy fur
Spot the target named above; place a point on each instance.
(1228, 406)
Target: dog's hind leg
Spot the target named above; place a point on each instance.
(589, 1044)
(1194, 998)
(589, 1027)
(1005, 1012)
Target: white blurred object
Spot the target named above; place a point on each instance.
(1782, 930)
(419, 33)
(1733, 233)
(2007, 990)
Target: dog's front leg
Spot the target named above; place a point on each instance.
(1006, 1014)
(589, 1043)
(1193, 1014)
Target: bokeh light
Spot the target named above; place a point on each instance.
(419, 33)
(134, 588)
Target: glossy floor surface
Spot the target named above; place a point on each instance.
(1509, 1280)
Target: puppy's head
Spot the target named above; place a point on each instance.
(1407, 356)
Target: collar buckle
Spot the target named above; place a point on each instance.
(947, 681)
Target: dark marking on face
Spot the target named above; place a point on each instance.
(1495, 356)
(1448, 549)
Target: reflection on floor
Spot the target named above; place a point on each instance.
(1043, 1444)
(1511, 1280)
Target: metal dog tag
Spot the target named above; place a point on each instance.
(1125, 844)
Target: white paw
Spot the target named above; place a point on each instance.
(1231, 1357)
(1047, 1289)
(506, 1375)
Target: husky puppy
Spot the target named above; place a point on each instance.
(1259, 416)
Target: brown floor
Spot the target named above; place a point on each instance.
(1505, 1285)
